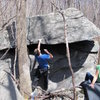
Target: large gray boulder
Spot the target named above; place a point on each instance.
(51, 29)
(8, 89)
(82, 61)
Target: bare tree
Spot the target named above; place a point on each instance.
(23, 60)
(98, 40)
(67, 49)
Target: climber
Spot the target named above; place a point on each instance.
(42, 59)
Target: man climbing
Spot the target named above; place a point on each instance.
(42, 59)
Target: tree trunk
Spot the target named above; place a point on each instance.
(23, 60)
(98, 60)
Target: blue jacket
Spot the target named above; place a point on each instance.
(42, 60)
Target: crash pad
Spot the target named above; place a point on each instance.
(91, 93)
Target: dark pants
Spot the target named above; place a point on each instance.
(88, 77)
(44, 74)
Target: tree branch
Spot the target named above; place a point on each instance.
(67, 49)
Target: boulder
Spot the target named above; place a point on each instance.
(83, 60)
(50, 28)
(8, 89)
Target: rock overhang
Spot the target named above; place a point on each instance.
(50, 28)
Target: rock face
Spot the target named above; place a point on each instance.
(83, 58)
(51, 29)
(82, 61)
(8, 89)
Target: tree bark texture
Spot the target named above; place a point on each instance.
(23, 60)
